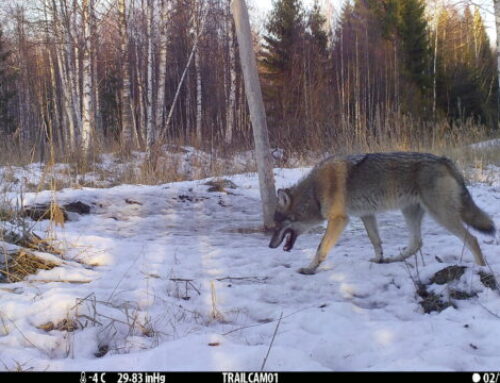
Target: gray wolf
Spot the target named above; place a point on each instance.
(365, 184)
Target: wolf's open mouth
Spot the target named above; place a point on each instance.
(290, 237)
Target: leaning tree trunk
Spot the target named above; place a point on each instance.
(257, 111)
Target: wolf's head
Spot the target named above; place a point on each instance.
(296, 212)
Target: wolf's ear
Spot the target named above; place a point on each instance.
(284, 198)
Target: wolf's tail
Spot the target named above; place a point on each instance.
(473, 216)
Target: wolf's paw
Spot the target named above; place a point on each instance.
(306, 270)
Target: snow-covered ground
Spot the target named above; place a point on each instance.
(489, 144)
(174, 277)
(173, 163)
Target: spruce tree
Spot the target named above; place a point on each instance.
(388, 14)
(282, 65)
(316, 29)
(404, 23)
(413, 34)
(284, 31)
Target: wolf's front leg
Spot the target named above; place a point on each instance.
(334, 228)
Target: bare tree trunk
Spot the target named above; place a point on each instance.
(140, 75)
(96, 108)
(257, 112)
(57, 114)
(149, 94)
(199, 105)
(68, 116)
(125, 96)
(162, 69)
(197, 66)
(231, 102)
(88, 122)
(69, 69)
(72, 32)
(55, 123)
(434, 64)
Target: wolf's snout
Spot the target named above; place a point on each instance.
(280, 235)
(276, 239)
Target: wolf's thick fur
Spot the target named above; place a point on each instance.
(363, 185)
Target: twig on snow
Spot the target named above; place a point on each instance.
(272, 341)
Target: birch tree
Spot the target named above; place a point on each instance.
(162, 68)
(69, 69)
(149, 93)
(231, 100)
(125, 92)
(94, 41)
(197, 66)
(88, 121)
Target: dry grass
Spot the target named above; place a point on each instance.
(29, 240)
(19, 258)
(66, 324)
(21, 263)
(172, 163)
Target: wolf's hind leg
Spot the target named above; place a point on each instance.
(413, 215)
(370, 223)
(447, 213)
(450, 219)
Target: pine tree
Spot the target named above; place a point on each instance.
(7, 89)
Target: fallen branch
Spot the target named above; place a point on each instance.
(77, 282)
(250, 279)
